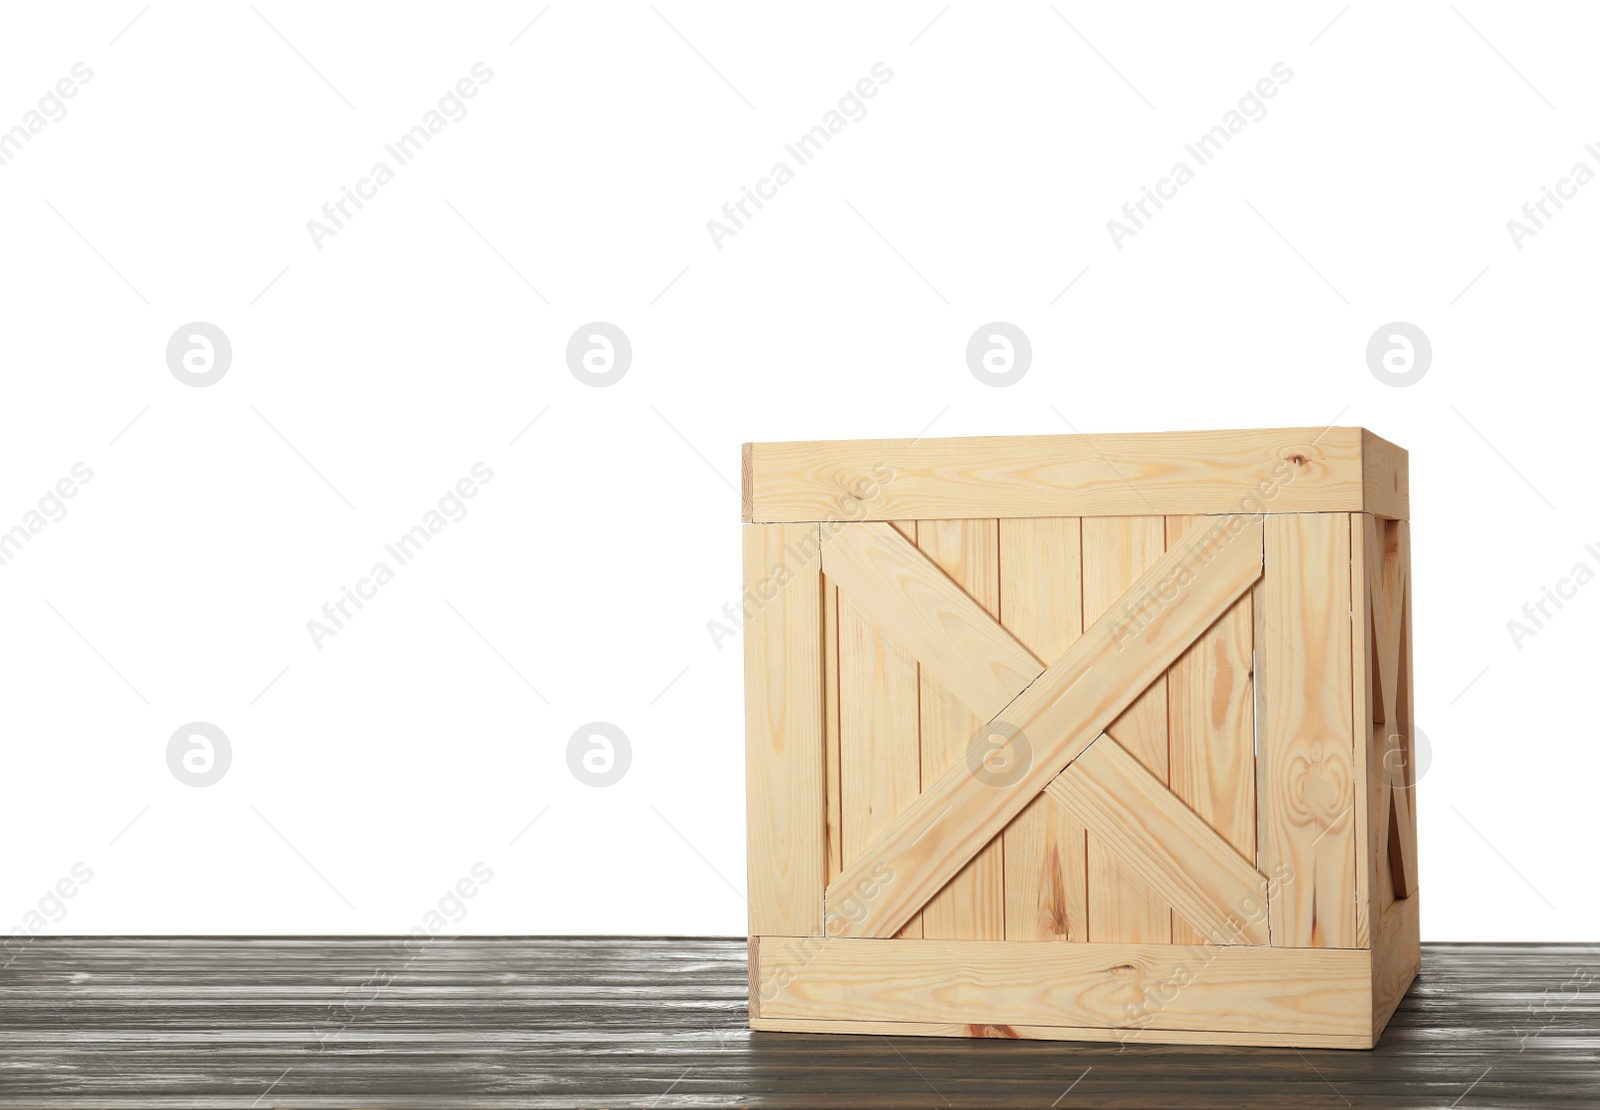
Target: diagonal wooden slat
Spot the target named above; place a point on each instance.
(1058, 715)
(1388, 587)
(1402, 848)
(1182, 859)
(928, 616)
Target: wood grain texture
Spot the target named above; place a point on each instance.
(1307, 756)
(972, 904)
(1211, 729)
(929, 617)
(1365, 553)
(747, 482)
(1019, 1032)
(1402, 771)
(1386, 477)
(1164, 844)
(1041, 603)
(1122, 907)
(833, 811)
(753, 976)
(1388, 699)
(1384, 663)
(544, 1023)
(1060, 713)
(784, 789)
(879, 747)
(1396, 959)
(1126, 986)
(1302, 470)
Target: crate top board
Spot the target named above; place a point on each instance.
(1268, 470)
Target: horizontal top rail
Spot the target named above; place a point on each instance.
(1271, 470)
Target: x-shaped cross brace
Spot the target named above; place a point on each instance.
(1046, 728)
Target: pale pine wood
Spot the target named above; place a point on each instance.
(1386, 477)
(1122, 907)
(1061, 712)
(880, 753)
(783, 728)
(1396, 959)
(833, 811)
(1266, 735)
(1041, 983)
(996, 1031)
(1258, 616)
(1158, 839)
(747, 469)
(1391, 698)
(1041, 603)
(1403, 783)
(929, 617)
(753, 974)
(1272, 470)
(1211, 729)
(1388, 587)
(1385, 664)
(1307, 757)
(972, 904)
(1365, 552)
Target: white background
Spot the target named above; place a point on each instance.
(368, 376)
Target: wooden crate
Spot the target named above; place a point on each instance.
(1081, 737)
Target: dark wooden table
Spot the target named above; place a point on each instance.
(660, 1022)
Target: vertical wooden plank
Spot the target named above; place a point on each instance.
(1365, 552)
(1405, 705)
(830, 726)
(1041, 603)
(1307, 735)
(1116, 550)
(1211, 730)
(972, 904)
(783, 728)
(879, 751)
(753, 971)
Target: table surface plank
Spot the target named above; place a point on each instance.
(660, 1022)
